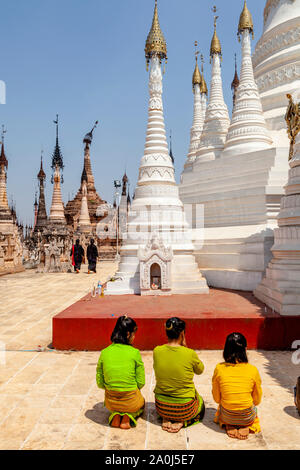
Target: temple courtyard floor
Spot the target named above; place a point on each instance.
(49, 399)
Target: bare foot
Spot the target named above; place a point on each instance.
(166, 425)
(125, 424)
(116, 421)
(243, 433)
(175, 427)
(231, 431)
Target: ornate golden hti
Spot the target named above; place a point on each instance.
(246, 21)
(292, 118)
(155, 44)
(215, 47)
(203, 86)
(197, 75)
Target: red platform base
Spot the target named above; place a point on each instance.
(88, 324)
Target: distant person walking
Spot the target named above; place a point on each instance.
(92, 255)
(77, 254)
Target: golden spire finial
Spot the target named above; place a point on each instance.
(246, 21)
(215, 47)
(197, 74)
(203, 86)
(156, 44)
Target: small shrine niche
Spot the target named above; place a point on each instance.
(155, 276)
(155, 267)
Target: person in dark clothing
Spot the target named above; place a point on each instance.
(77, 254)
(297, 395)
(92, 255)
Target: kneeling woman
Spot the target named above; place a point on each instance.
(120, 371)
(176, 399)
(237, 390)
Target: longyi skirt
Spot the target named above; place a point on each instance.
(131, 403)
(188, 413)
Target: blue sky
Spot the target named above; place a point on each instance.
(84, 59)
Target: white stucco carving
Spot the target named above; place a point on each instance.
(155, 253)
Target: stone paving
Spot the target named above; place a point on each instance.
(49, 399)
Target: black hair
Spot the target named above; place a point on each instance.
(123, 326)
(92, 241)
(235, 349)
(174, 326)
(77, 242)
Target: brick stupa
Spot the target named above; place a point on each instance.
(73, 207)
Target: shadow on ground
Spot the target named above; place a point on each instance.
(99, 414)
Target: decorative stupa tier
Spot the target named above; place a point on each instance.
(198, 118)
(57, 214)
(157, 216)
(11, 250)
(247, 131)
(276, 62)
(73, 207)
(280, 289)
(216, 118)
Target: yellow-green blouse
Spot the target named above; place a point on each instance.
(174, 368)
(120, 368)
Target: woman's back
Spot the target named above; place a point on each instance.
(174, 368)
(236, 386)
(121, 368)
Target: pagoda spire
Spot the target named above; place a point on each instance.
(41, 220)
(203, 90)
(57, 208)
(160, 169)
(87, 167)
(57, 159)
(5, 212)
(235, 82)
(247, 131)
(35, 205)
(198, 119)
(156, 45)
(124, 185)
(171, 150)
(216, 118)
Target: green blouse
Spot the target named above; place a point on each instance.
(174, 368)
(120, 368)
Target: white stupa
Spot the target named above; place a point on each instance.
(277, 63)
(57, 214)
(84, 222)
(280, 289)
(198, 116)
(240, 190)
(156, 222)
(247, 129)
(216, 117)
